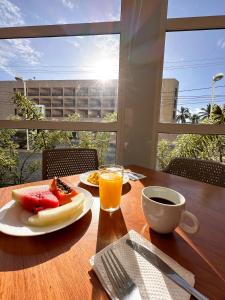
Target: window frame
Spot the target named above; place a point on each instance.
(189, 24)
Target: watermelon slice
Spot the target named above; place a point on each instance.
(59, 214)
(35, 198)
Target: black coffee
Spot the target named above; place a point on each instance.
(162, 200)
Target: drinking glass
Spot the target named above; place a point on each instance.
(110, 186)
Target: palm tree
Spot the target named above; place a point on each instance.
(218, 114)
(183, 115)
(205, 112)
(195, 118)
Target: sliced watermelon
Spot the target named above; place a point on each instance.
(35, 198)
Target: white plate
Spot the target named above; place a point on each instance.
(84, 177)
(13, 218)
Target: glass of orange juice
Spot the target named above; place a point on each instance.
(110, 186)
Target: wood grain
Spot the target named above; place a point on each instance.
(56, 265)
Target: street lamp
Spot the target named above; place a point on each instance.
(18, 78)
(215, 78)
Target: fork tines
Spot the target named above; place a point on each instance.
(120, 280)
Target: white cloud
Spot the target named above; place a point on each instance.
(15, 51)
(67, 3)
(10, 14)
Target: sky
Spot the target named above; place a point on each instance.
(81, 57)
(193, 58)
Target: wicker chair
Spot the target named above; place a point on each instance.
(65, 162)
(207, 171)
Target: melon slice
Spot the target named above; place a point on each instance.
(35, 198)
(56, 215)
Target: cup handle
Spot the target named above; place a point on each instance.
(188, 228)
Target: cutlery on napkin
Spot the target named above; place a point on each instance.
(152, 283)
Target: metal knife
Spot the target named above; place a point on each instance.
(165, 269)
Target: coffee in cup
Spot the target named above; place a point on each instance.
(164, 210)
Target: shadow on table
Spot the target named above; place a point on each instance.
(111, 227)
(25, 252)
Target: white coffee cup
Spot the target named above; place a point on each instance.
(164, 218)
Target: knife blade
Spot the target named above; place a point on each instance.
(165, 269)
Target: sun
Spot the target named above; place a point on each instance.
(105, 70)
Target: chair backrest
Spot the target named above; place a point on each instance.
(65, 162)
(207, 171)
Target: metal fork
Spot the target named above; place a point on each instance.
(122, 284)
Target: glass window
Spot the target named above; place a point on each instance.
(189, 145)
(14, 150)
(195, 8)
(57, 102)
(87, 65)
(57, 91)
(69, 91)
(193, 76)
(45, 91)
(82, 102)
(34, 92)
(43, 12)
(45, 101)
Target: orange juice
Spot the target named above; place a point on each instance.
(110, 190)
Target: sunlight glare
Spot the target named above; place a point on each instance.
(105, 70)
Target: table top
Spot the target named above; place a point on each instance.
(56, 265)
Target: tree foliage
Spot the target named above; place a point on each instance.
(14, 171)
(196, 145)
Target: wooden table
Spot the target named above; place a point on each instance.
(56, 265)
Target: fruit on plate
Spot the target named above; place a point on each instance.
(62, 191)
(35, 198)
(55, 215)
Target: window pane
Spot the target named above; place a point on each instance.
(194, 8)
(69, 72)
(15, 154)
(43, 12)
(193, 77)
(189, 145)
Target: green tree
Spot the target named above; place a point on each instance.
(13, 170)
(196, 145)
(194, 119)
(205, 112)
(183, 115)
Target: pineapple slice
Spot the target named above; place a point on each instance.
(56, 215)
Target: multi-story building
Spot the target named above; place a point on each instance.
(92, 99)
(169, 96)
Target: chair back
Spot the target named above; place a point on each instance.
(207, 171)
(65, 162)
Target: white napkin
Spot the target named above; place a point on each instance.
(135, 176)
(151, 282)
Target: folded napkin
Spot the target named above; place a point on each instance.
(151, 282)
(135, 176)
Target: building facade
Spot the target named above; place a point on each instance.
(91, 99)
(169, 95)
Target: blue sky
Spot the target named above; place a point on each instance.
(193, 58)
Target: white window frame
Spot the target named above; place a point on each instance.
(189, 24)
(136, 28)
